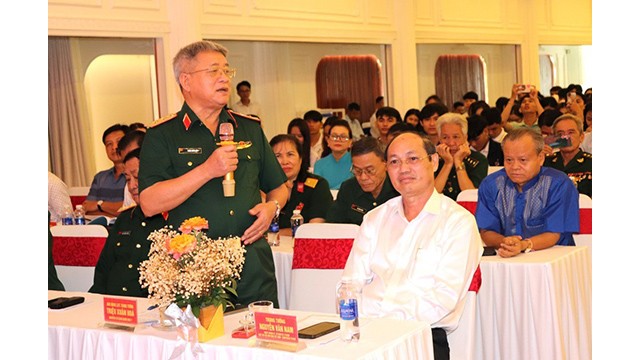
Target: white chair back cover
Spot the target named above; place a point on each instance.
(313, 285)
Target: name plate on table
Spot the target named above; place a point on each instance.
(277, 331)
(120, 314)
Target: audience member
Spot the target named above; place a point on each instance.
(116, 272)
(398, 128)
(478, 108)
(586, 143)
(458, 107)
(529, 107)
(386, 116)
(526, 206)
(412, 117)
(107, 188)
(300, 129)
(469, 98)
(460, 168)
(54, 281)
(354, 117)
(428, 117)
(549, 102)
(480, 141)
(131, 141)
(546, 119)
(501, 102)
(307, 192)
(570, 159)
(417, 253)
(336, 167)
(59, 198)
(368, 188)
(314, 121)
(138, 126)
(575, 105)
(187, 182)
(433, 99)
(372, 120)
(325, 134)
(494, 124)
(245, 105)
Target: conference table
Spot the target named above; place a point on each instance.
(78, 333)
(283, 259)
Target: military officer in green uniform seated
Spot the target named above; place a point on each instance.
(183, 163)
(368, 188)
(127, 246)
(459, 168)
(571, 159)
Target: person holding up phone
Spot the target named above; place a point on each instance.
(525, 97)
(571, 159)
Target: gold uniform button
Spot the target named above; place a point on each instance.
(249, 157)
(143, 224)
(189, 163)
(130, 266)
(118, 244)
(375, 203)
(231, 212)
(138, 246)
(124, 289)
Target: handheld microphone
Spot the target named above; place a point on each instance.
(229, 183)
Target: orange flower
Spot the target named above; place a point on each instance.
(180, 244)
(195, 223)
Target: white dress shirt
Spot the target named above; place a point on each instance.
(58, 197)
(419, 269)
(356, 128)
(500, 136)
(374, 128)
(252, 109)
(316, 152)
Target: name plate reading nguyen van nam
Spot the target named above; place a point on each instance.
(277, 331)
(120, 314)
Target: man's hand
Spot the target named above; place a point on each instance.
(510, 246)
(222, 161)
(444, 153)
(463, 152)
(265, 212)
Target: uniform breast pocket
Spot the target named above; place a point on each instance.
(249, 164)
(535, 223)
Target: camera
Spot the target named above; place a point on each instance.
(524, 89)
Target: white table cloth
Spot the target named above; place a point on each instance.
(75, 333)
(282, 259)
(536, 305)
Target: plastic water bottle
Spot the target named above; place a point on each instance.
(66, 218)
(296, 221)
(273, 234)
(348, 297)
(78, 216)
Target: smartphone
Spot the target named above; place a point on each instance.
(524, 89)
(65, 302)
(488, 251)
(317, 330)
(557, 141)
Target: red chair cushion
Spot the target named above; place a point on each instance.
(321, 253)
(77, 251)
(476, 281)
(77, 200)
(585, 221)
(469, 205)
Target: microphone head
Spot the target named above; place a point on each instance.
(226, 132)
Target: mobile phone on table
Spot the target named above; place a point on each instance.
(65, 302)
(317, 330)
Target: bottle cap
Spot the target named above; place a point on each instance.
(296, 212)
(78, 206)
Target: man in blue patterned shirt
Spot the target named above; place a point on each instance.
(526, 206)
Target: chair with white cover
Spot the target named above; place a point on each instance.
(493, 169)
(464, 341)
(583, 238)
(76, 250)
(468, 199)
(320, 252)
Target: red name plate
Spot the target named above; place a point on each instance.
(120, 311)
(276, 327)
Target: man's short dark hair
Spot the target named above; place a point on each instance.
(401, 127)
(548, 116)
(518, 133)
(114, 128)
(433, 108)
(354, 106)
(471, 95)
(475, 126)
(313, 115)
(130, 137)
(379, 98)
(132, 154)
(366, 145)
(480, 104)
(492, 116)
(243, 83)
(457, 103)
(390, 112)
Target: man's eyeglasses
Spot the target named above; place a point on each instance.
(411, 160)
(370, 171)
(339, 138)
(217, 71)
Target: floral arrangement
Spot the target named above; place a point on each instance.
(186, 267)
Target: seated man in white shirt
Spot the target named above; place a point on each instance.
(416, 254)
(353, 117)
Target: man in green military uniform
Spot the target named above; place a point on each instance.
(459, 168)
(182, 166)
(127, 246)
(571, 159)
(369, 187)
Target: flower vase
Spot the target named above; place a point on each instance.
(211, 323)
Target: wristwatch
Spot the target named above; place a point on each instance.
(460, 167)
(529, 247)
(100, 205)
(277, 208)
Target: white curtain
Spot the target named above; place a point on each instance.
(67, 145)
